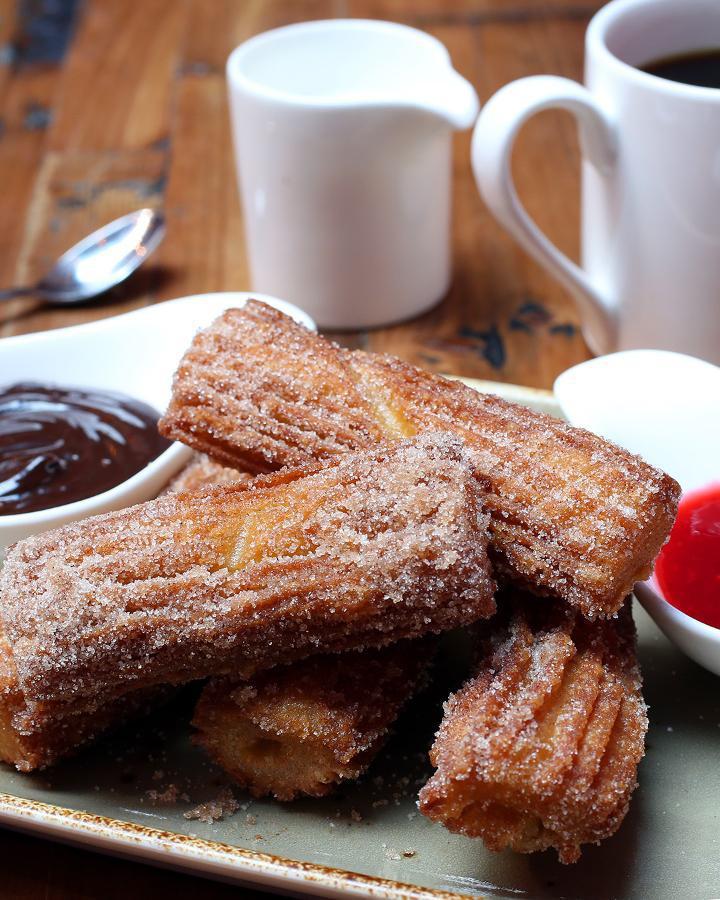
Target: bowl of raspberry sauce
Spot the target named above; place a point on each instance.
(665, 407)
(687, 571)
(683, 596)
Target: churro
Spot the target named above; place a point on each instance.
(304, 728)
(572, 515)
(30, 749)
(384, 545)
(540, 749)
(203, 472)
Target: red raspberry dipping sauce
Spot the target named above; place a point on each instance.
(688, 567)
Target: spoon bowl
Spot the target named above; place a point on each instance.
(104, 258)
(100, 261)
(666, 408)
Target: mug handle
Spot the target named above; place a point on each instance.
(500, 120)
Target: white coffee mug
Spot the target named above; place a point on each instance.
(650, 273)
(342, 133)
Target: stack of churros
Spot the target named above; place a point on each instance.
(572, 516)
(346, 506)
(385, 544)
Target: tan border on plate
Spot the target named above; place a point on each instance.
(200, 856)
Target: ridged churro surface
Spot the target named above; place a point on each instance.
(384, 545)
(571, 514)
(304, 728)
(540, 749)
(203, 472)
(37, 749)
(30, 749)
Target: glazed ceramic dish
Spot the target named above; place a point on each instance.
(369, 840)
(135, 354)
(651, 382)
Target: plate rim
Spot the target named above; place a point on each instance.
(199, 856)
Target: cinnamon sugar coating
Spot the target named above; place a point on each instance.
(540, 749)
(38, 749)
(572, 515)
(203, 472)
(384, 545)
(30, 749)
(304, 728)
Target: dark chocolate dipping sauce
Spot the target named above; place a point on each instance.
(58, 445)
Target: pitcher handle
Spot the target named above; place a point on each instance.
(500, 120)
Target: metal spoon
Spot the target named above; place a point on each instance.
(100, 261)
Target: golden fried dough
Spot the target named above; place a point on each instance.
(572, 515)
(304, 728)
(29, 749)
(203, 472)
(384, 545)
(540, 749)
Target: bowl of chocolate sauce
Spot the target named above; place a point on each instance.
(80, 407)
(59, 445)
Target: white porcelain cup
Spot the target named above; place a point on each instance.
(342, 133)
(650, 274)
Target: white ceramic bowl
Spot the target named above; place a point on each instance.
(136, 353)
(666, 408)
(699, 641)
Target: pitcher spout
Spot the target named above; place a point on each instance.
(451, 99)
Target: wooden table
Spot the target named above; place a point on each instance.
(111, 105)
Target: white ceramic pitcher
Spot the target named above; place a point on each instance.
(342, 132)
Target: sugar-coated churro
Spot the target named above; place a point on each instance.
(540, 749)
(30, 749)
(572, 515)
(384, 545)
(302, 729)
(203, 472)
(306, 727)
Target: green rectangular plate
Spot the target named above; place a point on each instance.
(369, 840)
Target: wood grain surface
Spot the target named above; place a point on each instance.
(110, 105)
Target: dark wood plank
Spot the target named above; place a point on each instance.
(105, 152)
(27, 99)
(118, 79)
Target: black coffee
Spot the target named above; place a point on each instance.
(701, 67)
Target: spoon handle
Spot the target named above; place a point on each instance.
(9, 293)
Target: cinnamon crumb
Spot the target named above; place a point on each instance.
(170, 794)
(223, 806)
